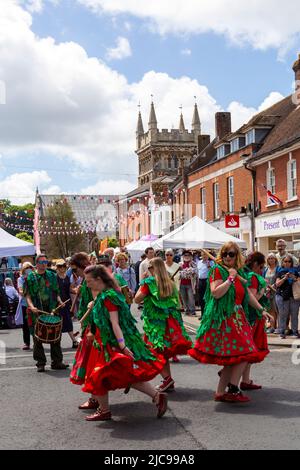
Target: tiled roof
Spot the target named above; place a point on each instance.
(207, 156)
(85, 208)
(140, 191)
(285, 133)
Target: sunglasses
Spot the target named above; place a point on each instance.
(169, 255)
(287, 261)
(62, 266)
(231, 254)
(43, 262)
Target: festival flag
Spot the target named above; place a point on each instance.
(272, 197)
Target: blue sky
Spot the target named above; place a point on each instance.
(75, 129)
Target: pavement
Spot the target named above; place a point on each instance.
(40, 411)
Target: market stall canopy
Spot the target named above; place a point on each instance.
(12, 246)
(196, 234)
(137, 248)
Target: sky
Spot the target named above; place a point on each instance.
(73, 72)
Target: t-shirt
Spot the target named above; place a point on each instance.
(254, 283)
(239, 288)
(145, 290)
(110, 306)
(286, 290)
(186, 282)
(21, 282)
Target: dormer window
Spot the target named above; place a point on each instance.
(250, 137)
(235, 145)
(221, 152)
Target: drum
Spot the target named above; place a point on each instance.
(48, 329)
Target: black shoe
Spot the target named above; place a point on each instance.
(40, 368)
(61, 366)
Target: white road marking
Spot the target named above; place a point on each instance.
(30, 355)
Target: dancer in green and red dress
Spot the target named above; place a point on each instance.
(163, 326)
(257, 284)
(119, 358)
(225, 337)
(79, 262)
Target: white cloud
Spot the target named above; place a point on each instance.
(240, 114)
(63, 103)
(110, 187)
(20, 188)
(271, 23)
(186, 52)
(121, 51)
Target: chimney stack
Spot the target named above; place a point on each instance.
(203, 142)
(296, 68)
(223, 125)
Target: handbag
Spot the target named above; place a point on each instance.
(296, 290)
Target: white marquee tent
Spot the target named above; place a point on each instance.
(196, 234)
(12, 246)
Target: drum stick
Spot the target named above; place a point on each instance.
(42, 311)
(86, 314)
(72, 311)
(173, 277)
(61, 306)
(215, 260)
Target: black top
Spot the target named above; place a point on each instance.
(64, 288)
(286, 289)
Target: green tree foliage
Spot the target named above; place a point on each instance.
(63, 242)
(113, 243)
(25, 237)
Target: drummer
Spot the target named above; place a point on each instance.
(42, 294)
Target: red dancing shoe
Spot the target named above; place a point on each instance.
(161, 402)
(250, 386)
(91, 404)
(100, 415)
(235, 398)
(167, 385)
(219, 398)
(175, 359)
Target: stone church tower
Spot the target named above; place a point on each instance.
(165, 153)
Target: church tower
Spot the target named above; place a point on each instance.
(165, 153)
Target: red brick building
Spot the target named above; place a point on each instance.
(231, 174)
(277, 167)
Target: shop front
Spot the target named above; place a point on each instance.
(243, 232)
(280, 225)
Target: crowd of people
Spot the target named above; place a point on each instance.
(237, 296)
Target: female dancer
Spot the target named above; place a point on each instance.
(119, 358)
(254, 267)
(163, 325)
(79, 262)
(224, 336)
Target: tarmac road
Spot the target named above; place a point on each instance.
(39, 411)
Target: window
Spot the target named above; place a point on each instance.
(203, 204)
(250, 137)
(292, 179)
(271, 182)
(230, 194)
(216, 200)
(221, 152)
(235, 145)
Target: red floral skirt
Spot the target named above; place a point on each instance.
(118, 372)
(81, 360)
(229, 345)
(260, 338)
(175, 343)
